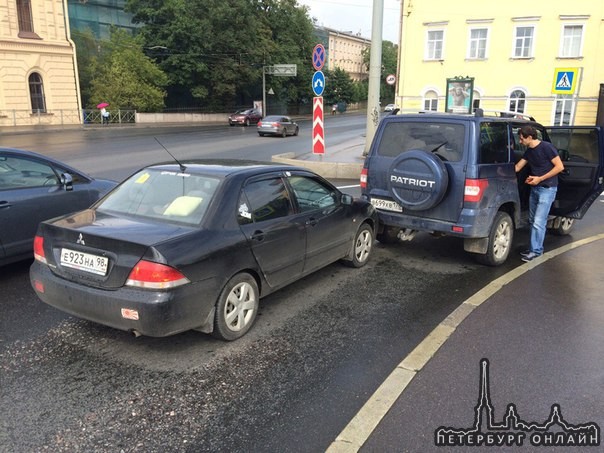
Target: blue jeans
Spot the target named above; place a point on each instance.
(540, 202)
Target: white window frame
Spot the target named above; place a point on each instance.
(568, 105)
(515, 39)
(428, 50)
(432, 100)
(563, 41)
(471, 40)
(509, 101)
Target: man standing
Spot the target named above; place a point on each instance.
(545, 164)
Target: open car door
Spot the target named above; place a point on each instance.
(581, 149)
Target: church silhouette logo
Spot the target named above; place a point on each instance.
(512, 430)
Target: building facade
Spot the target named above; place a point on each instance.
(538, 58)
(99, 16)
(345, 51)
(38, 70)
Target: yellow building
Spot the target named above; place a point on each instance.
(540, 58)
(344, 51)
(38, 70)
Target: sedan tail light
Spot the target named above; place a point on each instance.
(147, 274)
(259, 123)
(39, 249)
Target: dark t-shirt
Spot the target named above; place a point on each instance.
(540, 160)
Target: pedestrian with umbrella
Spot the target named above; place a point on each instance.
(104, 112)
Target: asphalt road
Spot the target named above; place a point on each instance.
(319, 349)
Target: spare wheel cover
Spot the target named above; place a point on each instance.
(418, 180)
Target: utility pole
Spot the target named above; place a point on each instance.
(375, 73)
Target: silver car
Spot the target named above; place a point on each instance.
(279, 125)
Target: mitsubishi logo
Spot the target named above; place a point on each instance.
(80, 240)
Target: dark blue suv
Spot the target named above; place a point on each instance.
(454, 174)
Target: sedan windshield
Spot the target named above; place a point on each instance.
(159, 194)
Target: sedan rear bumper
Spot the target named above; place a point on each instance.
(160, 313)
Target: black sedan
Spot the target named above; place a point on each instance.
(34, 188)
(195, 245)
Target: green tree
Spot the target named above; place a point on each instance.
(389, 66)
(339, 87)
(124, 76)
(214, 50)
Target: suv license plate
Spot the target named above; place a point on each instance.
(84, 261)
(386, 205)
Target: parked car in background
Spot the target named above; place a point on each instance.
(390, 107)
(245, 117)
(277, 125)
(34, 188)
(195, 246)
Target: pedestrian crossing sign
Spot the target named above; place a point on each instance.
(565, 80)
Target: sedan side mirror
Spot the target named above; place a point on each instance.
(67, 181)
(346, 199)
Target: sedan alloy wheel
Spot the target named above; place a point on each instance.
(236, 308)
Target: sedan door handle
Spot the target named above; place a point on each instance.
(5, 204)
(258, 236)
(312, 221)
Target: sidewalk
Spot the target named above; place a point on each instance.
(539, 327)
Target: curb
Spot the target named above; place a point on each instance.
(328, 170)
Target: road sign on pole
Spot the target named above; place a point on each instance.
(318, 83)
(318, 132)
(318, 57)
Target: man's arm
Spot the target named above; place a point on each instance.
(520, 164)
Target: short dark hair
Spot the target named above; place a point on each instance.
(529, 131)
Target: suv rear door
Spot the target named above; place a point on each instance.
(411, 151)
(581, 149)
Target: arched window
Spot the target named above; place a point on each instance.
(431, 101)
(36, 93)
(517, 101)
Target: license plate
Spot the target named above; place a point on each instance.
(386, 205)
(84, 261)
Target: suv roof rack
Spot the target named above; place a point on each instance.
(504, 114)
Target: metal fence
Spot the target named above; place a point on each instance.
(63, 117)
(118, 116)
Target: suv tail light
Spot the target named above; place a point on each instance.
(474, 190)
(39, 249)
(147, 274)
(364, 178)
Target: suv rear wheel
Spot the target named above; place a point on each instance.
(500, 240)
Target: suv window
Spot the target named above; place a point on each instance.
(494, 143)
(446, 140)
(576, 145)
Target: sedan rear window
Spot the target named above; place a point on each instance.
(166, 195)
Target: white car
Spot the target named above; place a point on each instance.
(390, 107)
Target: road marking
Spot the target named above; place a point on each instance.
(349, 187)
(358, 430)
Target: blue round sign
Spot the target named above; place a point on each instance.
(318, 83)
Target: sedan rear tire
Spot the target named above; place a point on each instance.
(236, 308)
(361, 247)
(284, 133)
